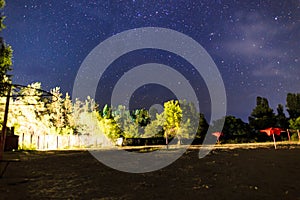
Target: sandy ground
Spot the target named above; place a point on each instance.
(259, 172)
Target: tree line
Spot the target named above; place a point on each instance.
(30, 112)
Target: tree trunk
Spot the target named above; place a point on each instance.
(179, 140)
(3, 134)
(167, 142)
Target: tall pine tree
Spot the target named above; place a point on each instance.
(262, 115)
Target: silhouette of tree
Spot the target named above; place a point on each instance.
(202, 127)
(293, 105)
(262, 115)
(281, 120)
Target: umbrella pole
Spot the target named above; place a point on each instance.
(289, 136)
(274, 141)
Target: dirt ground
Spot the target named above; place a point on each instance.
(239, 173)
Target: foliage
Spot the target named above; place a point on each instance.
(5, 56)
(155, 128)
(109, 127)
(127, 124)
(202, 127)
(2, 3)
(107, 112)
(28, 111)
(262, 115)
(293, 105)
(295, 123)
(233, 129)
(55, 109)
(31, 113)
(141, 117)
(85, 116)
(28, 147)
(67, 112)
(281, 120)
(152, 113)
(190, 120)
(173, 116)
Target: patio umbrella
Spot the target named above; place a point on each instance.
(272, 131)
(218, 135)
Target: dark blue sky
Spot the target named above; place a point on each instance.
(255, 44)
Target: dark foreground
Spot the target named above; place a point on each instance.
(263, 173)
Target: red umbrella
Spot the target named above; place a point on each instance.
(218, 135)
(272, 131)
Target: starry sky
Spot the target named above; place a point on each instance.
(255, 44)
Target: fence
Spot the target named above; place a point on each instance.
(56, 142)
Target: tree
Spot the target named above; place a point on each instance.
(5, 57)
(107, 112)
(152, 113)
(142, 117)
(281, 120)
(56, 109)
(189, 120)
(173, 116)
(68, 112)
(262, 115)
(28, 111)
(86, 116)
(128, 125)
(293, 105)
(202, 127)
(155, 127)
(234, 129)
(295, 123)
(109, 127)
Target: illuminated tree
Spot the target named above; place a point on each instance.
(127, 123)
(5, 56)
(190, 119)
(68, 112)
(86, 116)
(110, 128)
(56, 109)
(173, 116)
(141, 117)
(28, 111)
(155, 127)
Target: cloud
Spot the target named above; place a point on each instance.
(269, 70)
(254, 39)
(251, 48)
(263, 44)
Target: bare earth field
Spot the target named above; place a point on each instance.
(228, 172)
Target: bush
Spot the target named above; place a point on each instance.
(27, 147)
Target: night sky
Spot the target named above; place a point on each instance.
(255, 44)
